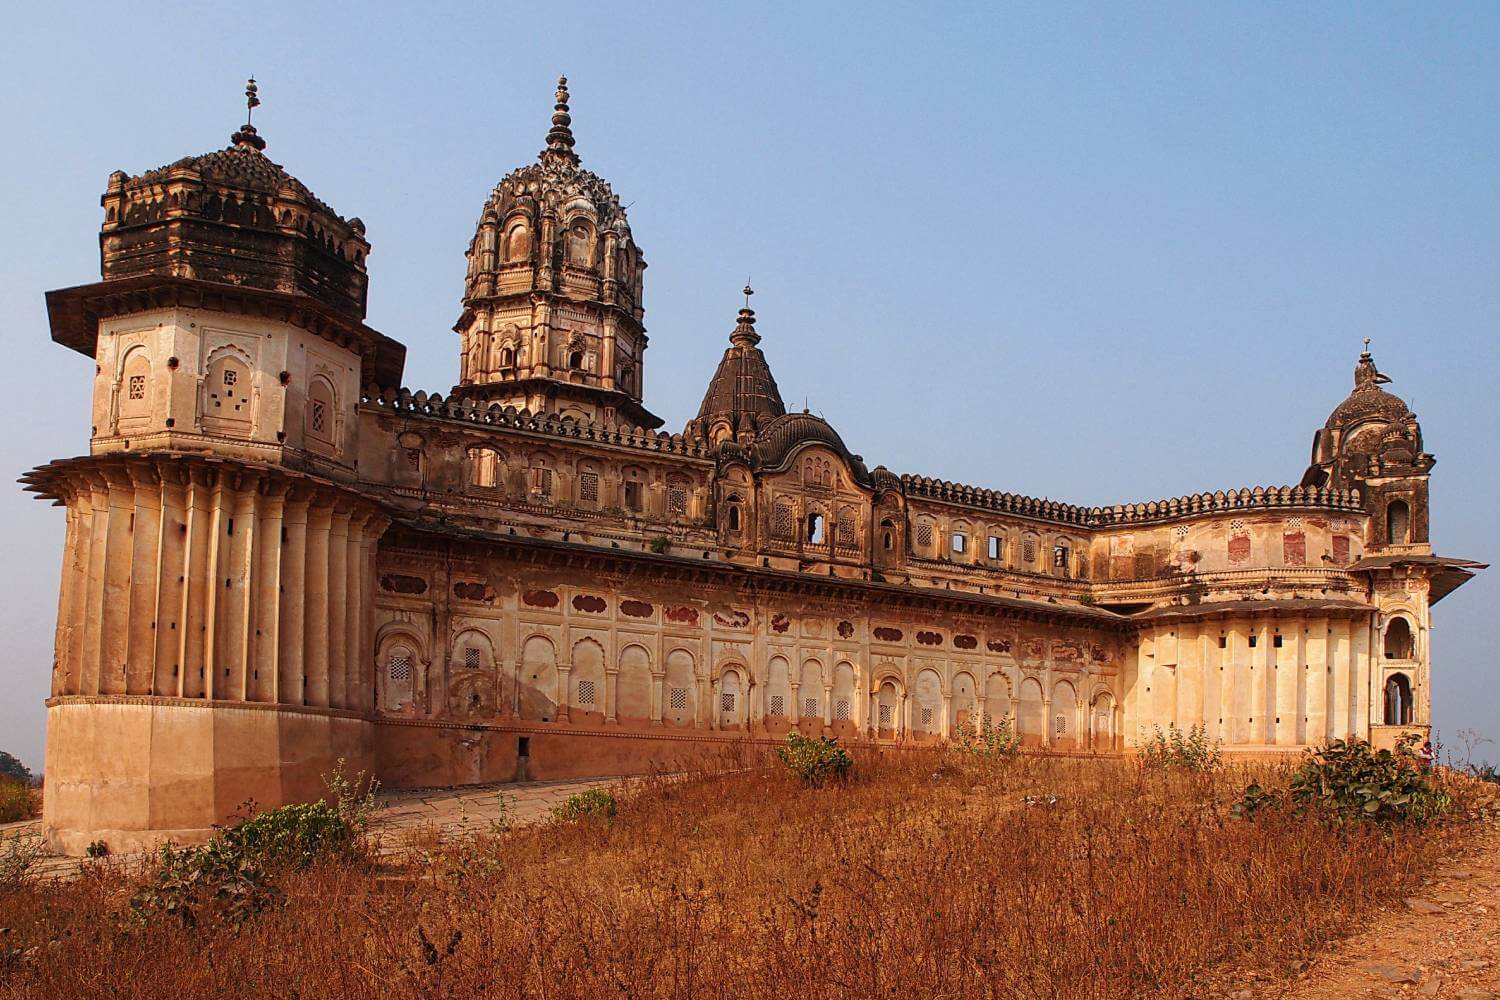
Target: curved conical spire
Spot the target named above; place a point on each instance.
(560, 136)
(743, 393)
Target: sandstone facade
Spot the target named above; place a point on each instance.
(277, 558)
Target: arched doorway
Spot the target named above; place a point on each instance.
(1398, 703)
(887, 709)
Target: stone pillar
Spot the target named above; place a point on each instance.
(358, 670)
(194, 646)
(268, 595)
(1315, 656)
(1343, 678)
(795, 715)
(1290, 684)
(315, 645)
(114, 621)
(658, 684)
(338, 603)
(827, 705)
(145, 576)
(565, 692)
(290, 676)
(1363, 674)
(611, 689)
(1047, 714)
(944, 724)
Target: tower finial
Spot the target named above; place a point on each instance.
(744, 334)
(560, 136)
(246, 136)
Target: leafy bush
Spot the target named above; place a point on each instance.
(593, 802)
(1350, 782)
(18, 801)
(294, 835)
(989, 739)
(814, 759)
(1192, 751)
(97, 849)
(218, 882)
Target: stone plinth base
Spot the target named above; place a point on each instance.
(135, 772)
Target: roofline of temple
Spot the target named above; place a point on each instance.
(468, 411)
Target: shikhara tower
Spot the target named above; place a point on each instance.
(552, 315)
(278, 558)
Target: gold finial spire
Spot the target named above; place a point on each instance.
(748, 292)
(560, 136)
(247, 136)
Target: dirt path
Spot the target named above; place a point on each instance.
(1442, 941)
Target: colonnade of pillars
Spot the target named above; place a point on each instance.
(205, 580)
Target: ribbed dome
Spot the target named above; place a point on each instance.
(779, 439)
(1368, 401)
(243, 166)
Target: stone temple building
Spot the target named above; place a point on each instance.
(278, 557)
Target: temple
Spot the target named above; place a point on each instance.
(277, 557)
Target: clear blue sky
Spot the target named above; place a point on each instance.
(1101, 254)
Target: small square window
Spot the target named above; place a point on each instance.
(231, 376)
(778, 705)
(1254, 641)
(678, 699)
(677, 499)
(1060, 725)
(810, 707)
(1223, 642)
(1276, 641)
(588, 487)
(400, 667)
(137, 387)
(726, 701)
(841, 710)
(960, 542)
(926, 717)
(585, 692)
(996, 547)
(472, 657)
(885, 716)
(319, 414)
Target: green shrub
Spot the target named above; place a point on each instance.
(1190, 751)
(217, 883)
(591, 803)
(1351, 782)
(814, 759)
(294, 835)
(97, 849)
(660, 544)
(18, 801)
(990, 739)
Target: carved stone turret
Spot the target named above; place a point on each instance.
(742, 396)
(552, 300)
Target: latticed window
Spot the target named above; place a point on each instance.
(926, 717)
(678, 699)
(588, 487)
(319, 415)
(726, 701)
(885, 716)
(1028, 550)
(472, 658)
(841, 710)
(137, 387)
(400, 667)
(1060, 725)
(544, 482)
(924, 535)
(778, 705)
(781, 521)
(846, 530)
(809, 707)
(231, 376)
(677, 500)
(585, 692)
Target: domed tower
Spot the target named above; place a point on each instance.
(1373, 443)
(552, 315)
(219, 559)
(742, 397)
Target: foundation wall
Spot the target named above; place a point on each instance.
(136, 773)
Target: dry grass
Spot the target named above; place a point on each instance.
(924, 876)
